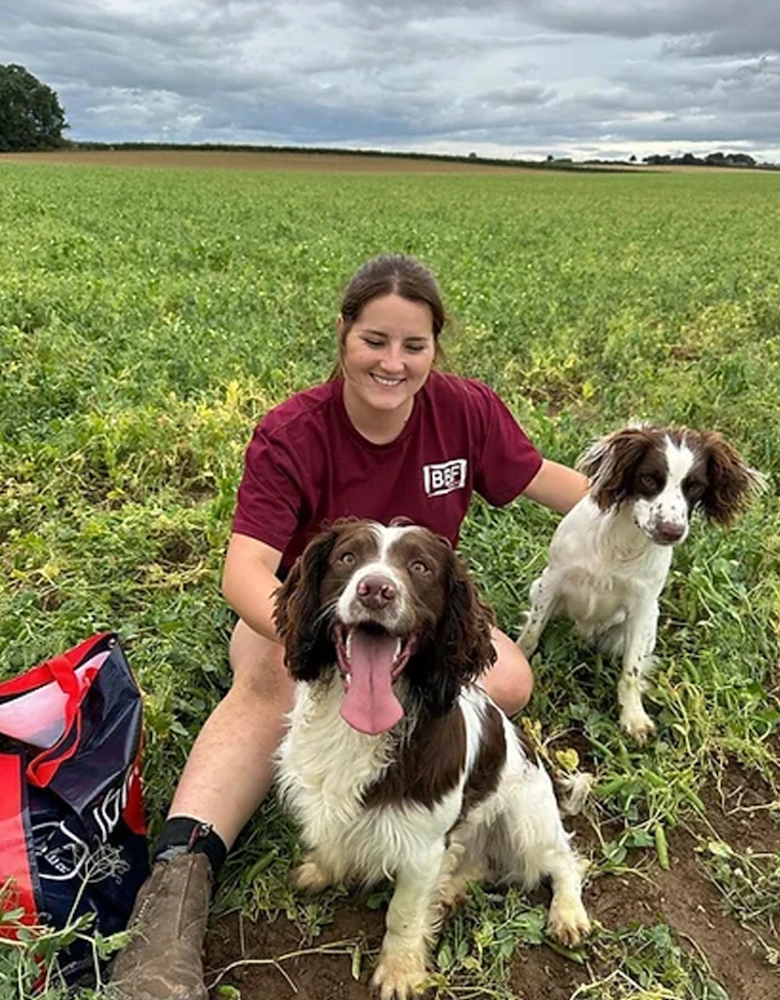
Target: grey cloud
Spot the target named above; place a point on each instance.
(167, 23)
(756, 36)
(741, 89)
(405, 73)
(647, 18)
(519, 95)
(754, 20)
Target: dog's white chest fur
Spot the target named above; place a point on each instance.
(601, 567)
(316, 739)
(325, 767)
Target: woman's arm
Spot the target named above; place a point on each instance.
(248, 581)
(557, 486)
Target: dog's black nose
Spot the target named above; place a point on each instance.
(670, 531)
(375, 591)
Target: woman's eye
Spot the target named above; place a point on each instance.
(415, 348)
(347, 559)
(372, 343)
(418, 566)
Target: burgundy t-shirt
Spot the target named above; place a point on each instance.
(307, 464)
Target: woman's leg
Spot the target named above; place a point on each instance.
(230, 767)
(227, 774)
(509, 682)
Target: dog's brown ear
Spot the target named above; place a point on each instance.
(465, 629)
(730, 480)
(298, 616)
(610, 462)
(462, 645)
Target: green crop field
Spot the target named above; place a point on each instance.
(149, 317)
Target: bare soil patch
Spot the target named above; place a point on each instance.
(323, 162)
(194, 159)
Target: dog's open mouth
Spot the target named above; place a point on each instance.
(370, 660)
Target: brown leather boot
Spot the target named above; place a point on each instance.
(164, 958)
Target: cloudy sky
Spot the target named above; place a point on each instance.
(510, 78)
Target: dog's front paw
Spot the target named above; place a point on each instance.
(638, 725)
(310, 876)
(567, 921)
(400, 975)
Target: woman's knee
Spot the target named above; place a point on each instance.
(510, 681)
(258, 667)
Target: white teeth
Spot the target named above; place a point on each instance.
(387, 381)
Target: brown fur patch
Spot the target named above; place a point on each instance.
(483, 780)
(611, 463)
(730, 481)
(428, 764)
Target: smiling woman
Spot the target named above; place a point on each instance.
(387, 436)
(386, 358)
(388, 329)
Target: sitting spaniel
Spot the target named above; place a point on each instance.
(396, 762)
(610, 555)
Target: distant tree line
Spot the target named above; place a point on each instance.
(208, 147)
(711, 160)
(31, 116)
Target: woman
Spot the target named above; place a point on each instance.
(388, 435)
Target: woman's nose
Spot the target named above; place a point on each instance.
(392, 358)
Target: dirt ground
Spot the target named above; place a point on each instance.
(314, 162)
(682, 897)
(195, 159)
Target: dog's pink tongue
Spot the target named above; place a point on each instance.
(369, 704)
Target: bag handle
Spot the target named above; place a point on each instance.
(40, 675)
(62, 669)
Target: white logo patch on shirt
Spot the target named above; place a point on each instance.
(444, 477)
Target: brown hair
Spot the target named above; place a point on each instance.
(390, 274)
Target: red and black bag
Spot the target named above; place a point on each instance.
(72, 831)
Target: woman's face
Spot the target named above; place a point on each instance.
(388, 354)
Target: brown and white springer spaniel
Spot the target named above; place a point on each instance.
(396, 762)
(610, 555)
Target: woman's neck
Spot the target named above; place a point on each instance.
(376, 426)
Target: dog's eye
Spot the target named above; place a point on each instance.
(694, 491)
(347, 559)
(418, 566)
(648, 484)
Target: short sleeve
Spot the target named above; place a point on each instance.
(270, 500)
(508, 461)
